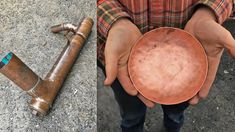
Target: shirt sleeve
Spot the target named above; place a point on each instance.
(222, 8)
(109, 11)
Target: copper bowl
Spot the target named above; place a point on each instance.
(168, 65)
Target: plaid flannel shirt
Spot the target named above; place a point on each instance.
(151, 14)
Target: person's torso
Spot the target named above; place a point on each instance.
(150, 14)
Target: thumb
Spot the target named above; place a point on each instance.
(230, 45)
(194, 100)
(231, 49)
(111, 69)
(147, 102)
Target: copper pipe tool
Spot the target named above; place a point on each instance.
(44, 91)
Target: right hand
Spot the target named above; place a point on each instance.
(121, 39)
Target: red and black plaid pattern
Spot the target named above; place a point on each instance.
(150, 14)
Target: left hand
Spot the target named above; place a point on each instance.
(117, 50)
(214, 38)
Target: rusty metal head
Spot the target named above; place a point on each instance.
(168, 65)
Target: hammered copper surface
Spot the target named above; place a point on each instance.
(168, 65)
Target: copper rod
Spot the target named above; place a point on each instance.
(45, 91)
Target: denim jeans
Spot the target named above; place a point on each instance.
(133, 111)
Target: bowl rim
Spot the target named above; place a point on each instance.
(193, 38)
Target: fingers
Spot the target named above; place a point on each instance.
(227, 40)
(124, 79)
(230, 46)
(147, 102)
(194, 100)
(204, 91)
(111, 69)
(232, 52)
(213, 64)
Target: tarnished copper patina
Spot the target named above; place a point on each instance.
(168, 65)
(45, 91)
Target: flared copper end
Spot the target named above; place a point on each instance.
(57, 28)
(39, 106)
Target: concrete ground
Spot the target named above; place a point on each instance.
(24, 28)
(215, 114)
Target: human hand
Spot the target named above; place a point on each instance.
(120, 40)
(214, 38)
